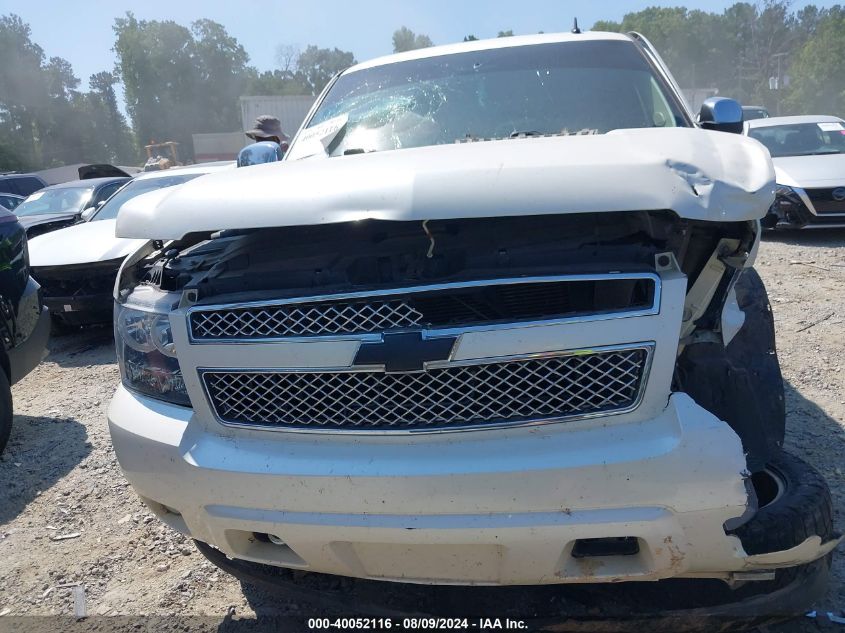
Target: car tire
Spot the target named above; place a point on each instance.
(741, 383)
(795, 504)
(6, 411)
(754, 348)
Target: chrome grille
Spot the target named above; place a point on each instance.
(302, 319)
(460, 304)
(504, 391)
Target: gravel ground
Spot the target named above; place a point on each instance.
(68, 518)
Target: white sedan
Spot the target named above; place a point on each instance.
(809, 157)
(76, 266)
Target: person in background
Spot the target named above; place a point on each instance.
(269, 128)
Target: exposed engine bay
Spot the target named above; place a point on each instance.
(361, 256)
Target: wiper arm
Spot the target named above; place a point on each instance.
(525, 134)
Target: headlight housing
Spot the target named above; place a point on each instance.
(788, 205)
(783, 191)
(146, 354)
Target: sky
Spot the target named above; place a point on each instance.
(81, 30)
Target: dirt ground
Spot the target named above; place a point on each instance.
(68, 518)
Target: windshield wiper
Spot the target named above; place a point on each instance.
(525, 134)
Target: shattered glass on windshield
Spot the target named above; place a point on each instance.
(536, 90)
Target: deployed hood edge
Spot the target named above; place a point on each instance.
(698, 174)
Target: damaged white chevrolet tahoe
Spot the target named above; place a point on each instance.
(492, 321)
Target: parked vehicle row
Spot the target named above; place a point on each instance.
(21, 184)
(77, 265)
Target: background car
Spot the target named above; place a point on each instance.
(76, 266)
(21, 184)
(10, 201)
(754, 112)
(61, 205)
(809, 157)
(24, 323)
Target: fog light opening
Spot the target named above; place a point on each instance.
(269, 538)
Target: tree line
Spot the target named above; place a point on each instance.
(790, 61)
(178, 80)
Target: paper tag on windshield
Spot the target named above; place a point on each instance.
(316, 139)
(830, 127)
(36, 195)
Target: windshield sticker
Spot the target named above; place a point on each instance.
(830, 127)
(315, 140)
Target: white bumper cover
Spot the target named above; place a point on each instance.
(477, 507)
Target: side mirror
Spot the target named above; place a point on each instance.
(259, 153)
(87, 213)
(721, 114)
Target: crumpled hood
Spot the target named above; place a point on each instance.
(44, 218)
(699, 174)
(810, 171)
(86, 243)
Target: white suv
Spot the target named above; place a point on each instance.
(487, 323)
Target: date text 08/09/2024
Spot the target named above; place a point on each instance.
(418, 623)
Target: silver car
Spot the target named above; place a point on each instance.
(809, 157)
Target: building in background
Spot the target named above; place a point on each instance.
(289, 109)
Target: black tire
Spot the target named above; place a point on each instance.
(754, 348)
(795, 504)
(5, 410)
(742, 383)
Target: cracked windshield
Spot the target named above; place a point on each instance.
(588, 88)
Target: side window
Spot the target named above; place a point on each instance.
(106, 192)
(27, 185)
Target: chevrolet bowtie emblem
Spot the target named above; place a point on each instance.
(404, 351)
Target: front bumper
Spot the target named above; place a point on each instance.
(82, 309)
(496, 507)
(797, 211)
(670, 606)
(32, 333)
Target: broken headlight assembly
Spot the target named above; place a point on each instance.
(788, 206)
(146, 355)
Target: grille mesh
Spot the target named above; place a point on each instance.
(304, 319)
(824, 202)
(471, 395)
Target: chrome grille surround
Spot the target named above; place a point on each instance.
(447, 396)
(366, 314)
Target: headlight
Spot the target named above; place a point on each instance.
(146, 355)
(782, 191)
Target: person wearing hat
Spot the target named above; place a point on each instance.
(269, 128)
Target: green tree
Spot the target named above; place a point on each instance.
(818, 73)
(470, 38)
(109, 124)
(508, 33)
(157, 65)
(179, 81)
(22, 90)
(221, 64)
(316, 66)
(404, 39)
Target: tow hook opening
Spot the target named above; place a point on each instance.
(610, 546)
